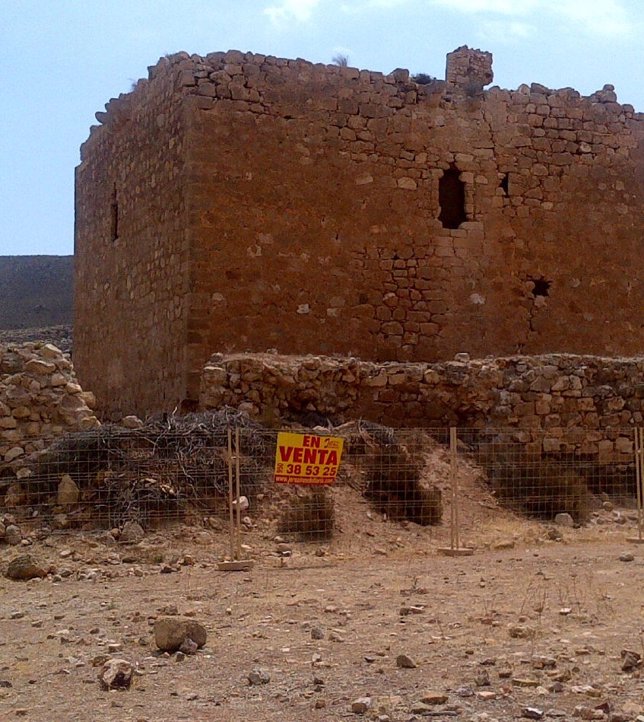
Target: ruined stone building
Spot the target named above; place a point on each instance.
(239, 202)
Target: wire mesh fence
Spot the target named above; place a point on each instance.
(225, 471)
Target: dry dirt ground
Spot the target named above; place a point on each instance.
(504, 634)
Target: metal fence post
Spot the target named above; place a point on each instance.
(455, 548)
(639, 484)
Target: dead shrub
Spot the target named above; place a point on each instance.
(165, 469)
(540, 488)
(392, 484)
(309, 514)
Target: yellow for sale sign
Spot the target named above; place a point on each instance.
(307, 459)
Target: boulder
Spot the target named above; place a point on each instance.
(170, 633)
(14, 496)
(132, 532)
(68, 492)
(23, 568)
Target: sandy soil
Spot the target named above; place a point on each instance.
(540, 625)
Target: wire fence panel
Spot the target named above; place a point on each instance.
(221, 470)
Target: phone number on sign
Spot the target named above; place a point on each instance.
(306, 470)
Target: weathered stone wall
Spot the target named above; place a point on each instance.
(557, 403)
(40, 398)
(312, 211)
(131, 251)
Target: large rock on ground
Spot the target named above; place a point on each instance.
(24, 567)
(171, 632)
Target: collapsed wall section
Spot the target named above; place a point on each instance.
(555, 403)
(40, 398)
(131, 253)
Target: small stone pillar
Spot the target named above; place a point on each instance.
(468, 69)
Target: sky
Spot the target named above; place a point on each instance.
(61, 60)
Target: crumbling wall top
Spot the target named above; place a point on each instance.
(469, 68)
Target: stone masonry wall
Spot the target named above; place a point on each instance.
(309, 195)
(131, 251)
(556, 403)
(40, 398)
(314, 198)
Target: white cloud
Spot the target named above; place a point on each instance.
(606, 17)
(504, 7)
(595, 17)
(285, 10)
(505, 31)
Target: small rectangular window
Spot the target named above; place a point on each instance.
(114, 217)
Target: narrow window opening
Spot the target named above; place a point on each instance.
(504, 185)
(114, 212)
(451, 198)
(541, 286)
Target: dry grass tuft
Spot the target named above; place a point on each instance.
(309, 514)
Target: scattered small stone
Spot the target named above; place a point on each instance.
(403, 661)
(131, 422)
(361, 705)
(242, 502)
(541, 662)
(188, 647)
(116, 674)
(626, 557)
(465, 692)
(433, 698)
(630, 660)
(317, 633)
(420, 708)
(411, 609)
(258, 676)
(532, 713)
(520, 631)
(564, 520)
(521, 682)
(131, 533)
(12, 535)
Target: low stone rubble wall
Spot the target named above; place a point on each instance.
(557, 403)
(40, 398)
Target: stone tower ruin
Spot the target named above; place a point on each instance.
(242, 202)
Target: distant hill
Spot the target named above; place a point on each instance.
(35, 291)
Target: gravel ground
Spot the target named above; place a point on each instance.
(534, 631)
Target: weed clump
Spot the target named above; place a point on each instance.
(310, 515)
(393, 486)
(540, 488)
